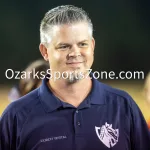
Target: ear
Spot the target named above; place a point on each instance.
(93, 44)
(43, 50)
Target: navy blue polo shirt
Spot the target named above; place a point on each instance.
(107, 119)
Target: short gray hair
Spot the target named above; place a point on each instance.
(65, 14)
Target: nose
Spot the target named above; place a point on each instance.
(75, 52)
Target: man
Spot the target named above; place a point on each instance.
(71, 110)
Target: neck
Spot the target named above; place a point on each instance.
(73, 93)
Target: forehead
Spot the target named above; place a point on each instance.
(71, 32)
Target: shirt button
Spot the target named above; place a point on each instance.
(78, 123)
(77, 111)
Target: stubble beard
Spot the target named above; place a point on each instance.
(76, 76)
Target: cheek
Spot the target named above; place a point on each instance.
(89, 54)
(54, 57)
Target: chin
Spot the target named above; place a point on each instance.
(75, 77)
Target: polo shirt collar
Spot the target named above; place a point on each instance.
(48, 99)
(97, 93)
(50, 102)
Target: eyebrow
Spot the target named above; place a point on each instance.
(83, 41)
(63, 43)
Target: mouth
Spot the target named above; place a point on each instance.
(74, 64)
(71, 63)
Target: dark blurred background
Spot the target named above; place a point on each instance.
(121, 31)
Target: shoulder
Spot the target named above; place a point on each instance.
(23, 104)
(115, 94)
(121, 100)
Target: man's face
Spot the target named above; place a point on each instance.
(71, 48)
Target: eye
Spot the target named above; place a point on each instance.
(83, 44)
(63, 47)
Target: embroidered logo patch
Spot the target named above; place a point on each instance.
(107, 135)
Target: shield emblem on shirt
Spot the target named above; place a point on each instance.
(107, 135)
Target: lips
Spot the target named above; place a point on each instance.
(74, 63)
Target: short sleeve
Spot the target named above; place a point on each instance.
(139, 130)
(7, 132)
